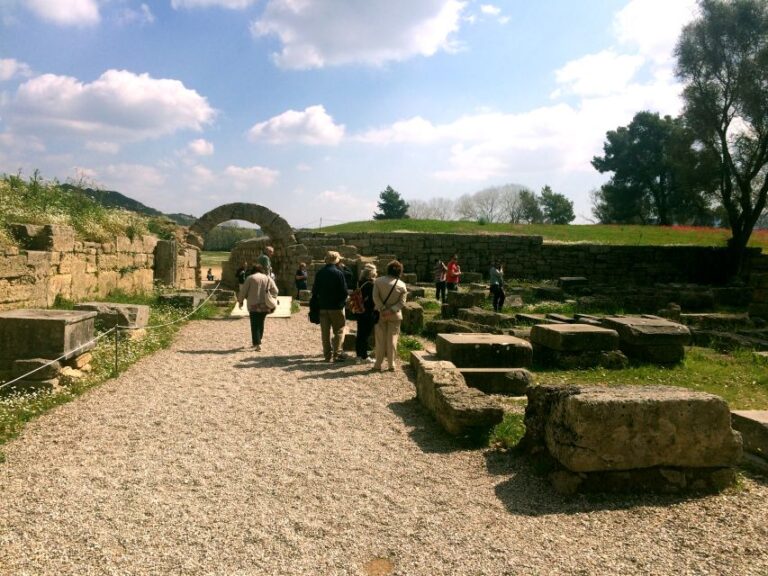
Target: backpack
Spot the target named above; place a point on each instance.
(356, 302)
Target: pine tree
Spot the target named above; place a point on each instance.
(391, 206)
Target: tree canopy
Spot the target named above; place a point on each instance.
(659, 176)
(391, 206)
(722, 58)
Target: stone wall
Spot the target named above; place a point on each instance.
(532, 258)
(51, 262)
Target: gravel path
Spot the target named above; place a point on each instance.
(210, 459)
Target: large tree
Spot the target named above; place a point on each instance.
(658, 175)
(391, 206)
(722, 57)
(556, 207)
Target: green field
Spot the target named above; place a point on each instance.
(591, 233)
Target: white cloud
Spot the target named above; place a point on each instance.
(118, 106)
(103, 147)
(244, 178)
(490, 10)
(378, 32)
(653, 26)
(597, 74)
(200, 147)
(141, 16)
(414, 130)
(312, 126)
(10, 68)
(231, 4)
(66, 12)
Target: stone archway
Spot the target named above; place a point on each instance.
(274, 226)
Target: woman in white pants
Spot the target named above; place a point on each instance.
(389, 293)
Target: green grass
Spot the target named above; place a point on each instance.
(740, 378)
(208, 259)
(17, 410)
(405, 345)
(592, 233)
(509, 432)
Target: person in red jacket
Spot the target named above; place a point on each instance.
(453, 274)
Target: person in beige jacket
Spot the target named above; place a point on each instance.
(389, 294)
(261, 293)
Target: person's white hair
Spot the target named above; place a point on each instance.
(332, 257)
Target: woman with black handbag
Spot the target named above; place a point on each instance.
(389, 294)
(365, 322)
(260, 291)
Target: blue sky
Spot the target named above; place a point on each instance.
(313, 107)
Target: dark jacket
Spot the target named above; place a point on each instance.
(330, 288)
(366, 288)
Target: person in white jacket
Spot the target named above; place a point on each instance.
(389, 294)
(261, 293)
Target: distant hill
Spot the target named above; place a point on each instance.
(113, 199)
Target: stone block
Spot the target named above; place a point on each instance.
(13, 266)
(753, 426)
(47, 334)
(458, 300)
(36, 368)
(485, 317)
(549, 293)
(635, 427)
(572, 283)
(465, 411)
(116, 314)
(484, 350)
(413, 318)
(184, 299)
(574, 337)
(415, 292)
(80, 361)
(506, 381)
(651, 339)
(409, 278)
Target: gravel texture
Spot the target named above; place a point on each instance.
(208, 458)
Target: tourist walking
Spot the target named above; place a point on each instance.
(330, 294)
(389, 293)
(439, 272)
(261, 293)
(265, 261)
(496, 278)
(365, 321)
(301, 278)
(453, 274)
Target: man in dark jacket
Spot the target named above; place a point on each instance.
(330, 292)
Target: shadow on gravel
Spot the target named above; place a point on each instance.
(427, 433)
(528, 492)
(230, 351)
(313, 366)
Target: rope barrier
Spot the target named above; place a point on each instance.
(104, 334)
(62, 357)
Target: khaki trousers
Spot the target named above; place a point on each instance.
(387, 334)
(332, 321)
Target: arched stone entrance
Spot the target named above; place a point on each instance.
(274, 226)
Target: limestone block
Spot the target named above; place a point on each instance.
(36, 368)
(644, 331)
(148, 244)
(44, 334)
(461, 410)
(58, 285)
(80, 361)
(484, 350)
(486, 317)
(631, 427)
(413, 318)
(107, 282)
(84, 285)
(753, 426)
(13, 266)
(506, 381)
(409, 278)
(116, 314)
(574, 337)
(49, 237)
(415, 292)
(464, 299)
(432, 374)
(184, 299)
